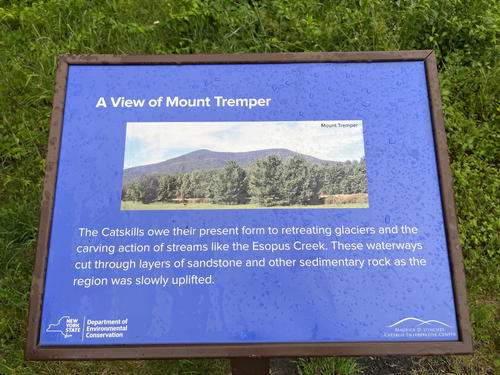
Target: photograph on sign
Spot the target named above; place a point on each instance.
(244, 165)
(233, 209)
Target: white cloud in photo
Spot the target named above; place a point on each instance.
(153, 142)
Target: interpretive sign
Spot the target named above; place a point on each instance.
(247, 205)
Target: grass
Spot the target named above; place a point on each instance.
(328, 366)
(463, 34)
(129, 205)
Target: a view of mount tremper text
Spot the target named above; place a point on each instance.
(276, 178)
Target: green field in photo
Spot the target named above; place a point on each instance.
(128, 205)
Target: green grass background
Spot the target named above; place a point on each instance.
(462, 32)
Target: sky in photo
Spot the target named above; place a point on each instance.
(154, 142)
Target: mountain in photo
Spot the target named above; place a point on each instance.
(206, 159)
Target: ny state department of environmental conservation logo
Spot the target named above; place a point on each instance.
(66, 326)
(412, 327)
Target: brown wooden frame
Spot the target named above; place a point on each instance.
(36, 352)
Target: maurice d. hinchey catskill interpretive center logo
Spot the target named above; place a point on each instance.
(414, 328)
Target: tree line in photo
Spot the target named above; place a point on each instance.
(271, 181)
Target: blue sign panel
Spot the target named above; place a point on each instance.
(247, 203)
